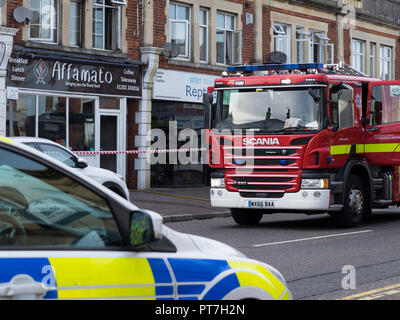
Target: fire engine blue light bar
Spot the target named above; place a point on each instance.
(275, 67)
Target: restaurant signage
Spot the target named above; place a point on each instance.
(58, 75)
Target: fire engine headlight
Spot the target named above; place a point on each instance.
(217, 183)
(314, 183)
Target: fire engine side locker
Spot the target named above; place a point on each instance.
(382, 134)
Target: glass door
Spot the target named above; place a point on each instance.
(109, 128)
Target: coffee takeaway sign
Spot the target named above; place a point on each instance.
(60, 75)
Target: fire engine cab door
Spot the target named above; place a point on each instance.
(382, 133)
(345, 141)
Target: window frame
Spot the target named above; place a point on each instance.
(206, 30)
(103, 6)
(235, 32)
(278, 28)
(302, 42)
(79, 31)
(56, 24)
(320, 35)
(187, 54)
(383, 60)
(358, 56)
(372, 58)
(37, 96)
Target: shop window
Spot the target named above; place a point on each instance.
(358, 55)
(165, 116)
(282, 40)
(21, 116)
(52, 118)
(106, 25)
(229, 40)
(81, 124)
(180, 28)
(75, 23)
(44, 23)
(203, 34)
(386, 63)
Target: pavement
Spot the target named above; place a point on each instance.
(178, 204)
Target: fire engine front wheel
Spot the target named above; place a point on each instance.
(246, 216)
(355, 204)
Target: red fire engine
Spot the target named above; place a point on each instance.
(306, 138)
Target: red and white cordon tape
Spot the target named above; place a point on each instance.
(87, 153)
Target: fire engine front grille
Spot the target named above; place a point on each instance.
(259, 182)
(262, 169)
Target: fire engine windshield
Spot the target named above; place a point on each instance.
(270, 109)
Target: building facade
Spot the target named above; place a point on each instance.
(70, 77)
(100, 74)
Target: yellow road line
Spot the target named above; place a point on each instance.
(375, 294)
(169, 195)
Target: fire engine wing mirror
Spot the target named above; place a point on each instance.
(337, 87)
(207, 102)
(315, 94)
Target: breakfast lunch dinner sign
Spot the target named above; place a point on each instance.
(58, 75)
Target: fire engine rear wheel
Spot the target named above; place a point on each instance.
(246, 216)
(355, 204)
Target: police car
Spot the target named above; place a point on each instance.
(110, 179)
(67, 237)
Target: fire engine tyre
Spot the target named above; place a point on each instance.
(246, 216)
(355, 206)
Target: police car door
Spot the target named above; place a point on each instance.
(59, 238)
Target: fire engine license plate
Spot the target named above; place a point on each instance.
(261, 204)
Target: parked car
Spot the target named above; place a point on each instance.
(68, 237)
(111, 180)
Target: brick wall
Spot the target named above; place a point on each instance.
(266, 34)
(132, 127)
(11, 23)
(134, 31)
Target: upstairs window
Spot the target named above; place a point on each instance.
(282, 40)
(75, 23)
(372, 49)
(106, 25)
(180, 28)
(203, 34)
(302, 38)
(44, 23)
(358, 55)
(229, 40)
(386, 62)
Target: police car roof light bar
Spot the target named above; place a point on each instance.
(276, 67)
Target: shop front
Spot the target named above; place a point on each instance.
(177, 105)
(77, 101)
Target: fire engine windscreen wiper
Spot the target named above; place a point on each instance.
(293, 129)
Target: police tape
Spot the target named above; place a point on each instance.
(145, 151)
